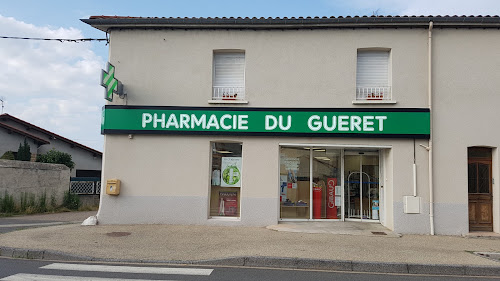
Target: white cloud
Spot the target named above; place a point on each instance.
(452, 7)
(417, 7)
(51, 84)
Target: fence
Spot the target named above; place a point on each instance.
(85, 185)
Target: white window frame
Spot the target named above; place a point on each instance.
(373, 76)
(228, 89)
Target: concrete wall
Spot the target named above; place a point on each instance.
(35, 178)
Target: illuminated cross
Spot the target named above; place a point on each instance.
(110, 83)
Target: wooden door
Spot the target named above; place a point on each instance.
(480, 190)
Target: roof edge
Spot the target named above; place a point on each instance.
(106, 23)
(51, 134)
(23, 133)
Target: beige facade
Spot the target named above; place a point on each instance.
(166, 178)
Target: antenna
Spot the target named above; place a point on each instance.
(2, 99)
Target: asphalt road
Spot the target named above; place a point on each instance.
(18, 269)
(13, 225)
(9, 224)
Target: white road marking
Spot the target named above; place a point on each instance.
(39, 277)
(128, 269)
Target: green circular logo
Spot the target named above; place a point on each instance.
(231, 175)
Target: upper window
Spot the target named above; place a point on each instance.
(229, 76)
(372, 75)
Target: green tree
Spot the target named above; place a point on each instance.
(56, 157)
(23, 153)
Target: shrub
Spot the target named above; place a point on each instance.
(71, 201)
(56, 157)
(9, 155)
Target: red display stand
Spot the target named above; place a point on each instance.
(331, 209)
(317, 196)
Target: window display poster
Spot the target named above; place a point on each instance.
(283, 187)
(331, 207)
(231, 172)
(228, 203)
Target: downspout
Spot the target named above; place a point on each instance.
(429, 90)
(414, 171)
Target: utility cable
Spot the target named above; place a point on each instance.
(56, 39)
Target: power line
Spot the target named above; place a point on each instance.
(56, 39)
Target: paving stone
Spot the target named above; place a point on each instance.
(271, 262)
(482, 270)
(324, 264)
(238, 261)
(35, 254)
(6, 251)
(436, 269)
(60, 256)
(20, 253)
(385, 267)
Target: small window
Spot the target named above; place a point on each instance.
(229, 76)
(225, 179)
(372, 76)
(479, 169)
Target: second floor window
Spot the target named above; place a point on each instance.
(229, 76)
(372, 75)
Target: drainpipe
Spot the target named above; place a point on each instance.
(429, 89)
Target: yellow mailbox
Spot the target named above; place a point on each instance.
(113, 187)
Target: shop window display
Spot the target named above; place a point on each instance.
(294, 183)
(225, 179)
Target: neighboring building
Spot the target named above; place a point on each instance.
(253, 121)
(13, 131)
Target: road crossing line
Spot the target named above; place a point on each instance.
(128, 269)
(40, 277)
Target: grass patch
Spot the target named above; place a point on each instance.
(29, 204)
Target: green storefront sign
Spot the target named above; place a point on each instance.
(316, 122)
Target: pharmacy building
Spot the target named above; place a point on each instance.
(258, 121)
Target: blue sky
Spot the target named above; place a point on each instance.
(56, 85)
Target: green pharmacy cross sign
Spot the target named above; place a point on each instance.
(110, 83)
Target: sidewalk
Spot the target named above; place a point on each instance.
(253, 246)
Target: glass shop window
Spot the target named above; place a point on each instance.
(225, 179)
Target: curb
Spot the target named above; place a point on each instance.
(277, 262)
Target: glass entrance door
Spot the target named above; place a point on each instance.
(327, 183)
(361, 185)
(310, 185)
